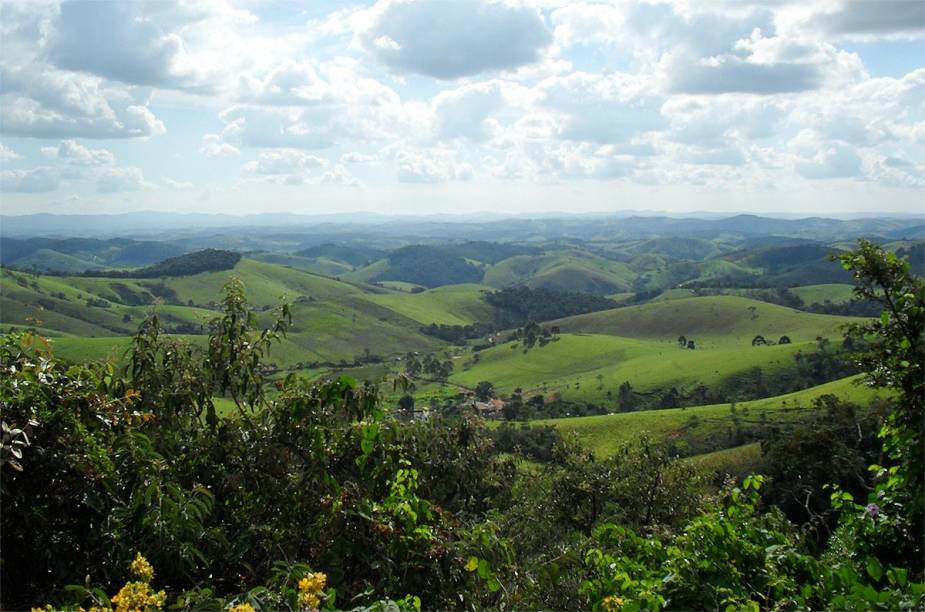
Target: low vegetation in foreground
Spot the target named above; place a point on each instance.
(139, 489)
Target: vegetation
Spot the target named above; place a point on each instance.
(196, 481)
(209, 260)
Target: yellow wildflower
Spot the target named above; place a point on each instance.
(241, 607)
(310, 586)
(137, 596)
(611, 603)
(141, 568)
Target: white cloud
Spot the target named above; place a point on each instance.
(213, 146)
(582, 23)
(871, 20)
(285, 161)
(463, 112)
(115, 180)
(447, 40)
(7, 154)
(288, 84)
(170, 44)
(821, 159)
(75, 153)
(357, 158)
(41, 102)
(601, 108)
(35, 180)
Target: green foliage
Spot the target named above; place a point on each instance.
(518, 305)
(208, 260)
(101, 464)
(429, 266)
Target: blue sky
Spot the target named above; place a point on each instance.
(406, 106)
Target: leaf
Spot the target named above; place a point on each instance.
(874, 569)
(472, 565)
(484, 569)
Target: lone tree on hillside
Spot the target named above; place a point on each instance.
(784, 340)
(759, 341)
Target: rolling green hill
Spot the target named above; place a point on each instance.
(834, 292)
(450, 304)
(561, 270)
(571, 366)
(702, 428)
(711, 321)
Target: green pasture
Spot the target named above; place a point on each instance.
(701, 428)
(571, 366)
(712, 321)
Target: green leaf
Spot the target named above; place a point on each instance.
(472, 565)
(874, 569)
(484, 569)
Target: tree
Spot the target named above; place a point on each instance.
(485, 390)
(759, 341)
(784, 340)
(691, 345)
(626, 398)
(896, 357)
(682, 341)
(406, 403)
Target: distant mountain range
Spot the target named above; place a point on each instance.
(489, 226)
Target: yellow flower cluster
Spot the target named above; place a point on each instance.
(241, 607)
(612, 603)
(138, 596)
(141, 568)
(309, 588)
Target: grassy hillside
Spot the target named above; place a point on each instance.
(450, 305)
(571, 366)
(562, 270)
(701, 428)
(315, 265)
(711, 321)
(834, 292)
(332, 321)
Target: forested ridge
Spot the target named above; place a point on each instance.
(138, 488)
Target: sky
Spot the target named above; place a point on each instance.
(414, 107)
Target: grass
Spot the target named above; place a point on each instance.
(571, 366)
(449, 305)
(700, 428)
(737, 461)
(563, 270)
(833, 292)
(710, 321)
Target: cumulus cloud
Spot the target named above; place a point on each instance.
(821, 159)
(581, 23)
(357, 158)
(432, 165)
(75, 153)
(883, 18)
(8, 154)
(285, 161)
(213, 146)
(600, 108)
(288, 84)
(734, 75)
(463, 112)
(35, 180)
(448, 40)
(42, 102)
(145, 43)
(115, 180)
